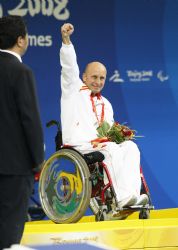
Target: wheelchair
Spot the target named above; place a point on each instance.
(70, 182)
(35, 210)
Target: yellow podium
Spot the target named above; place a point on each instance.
(158, 232)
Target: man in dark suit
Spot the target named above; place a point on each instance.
(21, 135)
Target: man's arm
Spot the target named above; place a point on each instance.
(27, 105)
(66, 31)
(70, 80)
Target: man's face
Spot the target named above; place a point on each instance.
(22, 43)
(95, 76)
(25, 45)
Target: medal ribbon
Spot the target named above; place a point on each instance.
(94, 107)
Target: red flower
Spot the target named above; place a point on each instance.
(127, 132)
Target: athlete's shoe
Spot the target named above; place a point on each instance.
(142, 200)
(129, 201)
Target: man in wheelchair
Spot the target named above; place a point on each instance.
(83, 110)
(88, 167)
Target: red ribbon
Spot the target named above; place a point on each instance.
(98, 95)
(94, 108)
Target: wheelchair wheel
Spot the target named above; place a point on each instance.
(64, 186)
(101, 216)
(144, 214)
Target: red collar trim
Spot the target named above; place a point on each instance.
(84, 87)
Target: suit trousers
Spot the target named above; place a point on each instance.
(15, 191)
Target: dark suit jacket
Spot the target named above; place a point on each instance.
(21, 136)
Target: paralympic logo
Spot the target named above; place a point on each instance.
(162, 77)
(138, 76)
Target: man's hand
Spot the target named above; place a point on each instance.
(66, 31)
(98, 142)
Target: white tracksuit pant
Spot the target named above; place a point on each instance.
(122, 161)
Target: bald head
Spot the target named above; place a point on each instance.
(94, 76)
(92, 65)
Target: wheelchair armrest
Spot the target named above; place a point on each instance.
(93, 157)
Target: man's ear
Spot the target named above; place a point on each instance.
(20, 41)
(84, 77)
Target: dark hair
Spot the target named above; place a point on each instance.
(11, 27)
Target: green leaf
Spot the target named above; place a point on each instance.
(103, 129)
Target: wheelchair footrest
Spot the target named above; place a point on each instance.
(136, 208)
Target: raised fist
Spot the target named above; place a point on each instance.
(66, 30)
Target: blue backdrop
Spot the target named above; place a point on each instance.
(137, 41)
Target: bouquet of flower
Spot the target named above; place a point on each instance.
(115, 133)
